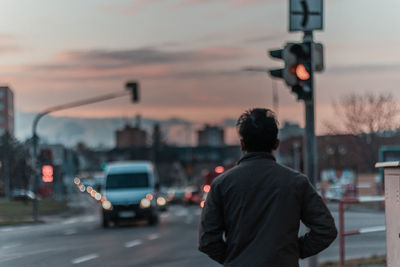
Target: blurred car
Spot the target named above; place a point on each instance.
(192, 195)
(131, 192)
(175, 195)
(22, 195)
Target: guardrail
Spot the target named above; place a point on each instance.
(343, 233)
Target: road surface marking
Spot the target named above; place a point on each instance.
(164, 215)
(133, 243)
(70, 232)
(182, 212)
(153, 236)
(6, 229)
(85, 258)
(12, 245)
(89, 219)
(69, 221)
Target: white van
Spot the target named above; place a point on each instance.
(130, 190)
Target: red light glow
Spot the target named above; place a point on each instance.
(219, 169)
(206, 188)
(47, 173)
(302, 73)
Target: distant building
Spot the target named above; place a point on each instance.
(6, 110)
(289, 130)
(131, 137)
(211, 136)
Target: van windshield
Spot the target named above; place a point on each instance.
(127, 180)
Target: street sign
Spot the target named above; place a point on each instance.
(305, 15)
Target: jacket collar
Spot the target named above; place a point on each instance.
(256, 155)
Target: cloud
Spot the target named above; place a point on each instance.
(263, 39)
(363, 68)
(137, 6)
(8, 44)
(232, 3)
(144, 62)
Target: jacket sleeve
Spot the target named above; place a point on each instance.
(211, 227)
(317, 217)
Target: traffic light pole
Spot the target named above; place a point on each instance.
(310, 139)
(35, 138)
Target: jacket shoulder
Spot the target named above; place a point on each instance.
(289, 171)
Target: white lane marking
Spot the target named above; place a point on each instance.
(89, 219)
(153, 236)
(133, 243)
(70, 232)
(85, 258)
(18, 255)
(164, 215)
(182, 212)
(69, 221)
(6, 229)
(12, 245)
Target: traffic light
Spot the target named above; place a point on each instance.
(297, 72)
(134, 87)
(302, 69)
(47, 173)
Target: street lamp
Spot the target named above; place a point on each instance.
(132, 90)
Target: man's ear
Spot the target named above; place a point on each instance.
(242, 145)
(276, 144)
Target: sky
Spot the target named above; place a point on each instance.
(188, 55)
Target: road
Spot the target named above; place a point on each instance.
(81, 241)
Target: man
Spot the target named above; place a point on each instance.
(253, 211)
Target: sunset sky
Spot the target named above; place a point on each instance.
(187, 55)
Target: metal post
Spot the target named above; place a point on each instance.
(35, 176)
(310, 140)
(341, 232)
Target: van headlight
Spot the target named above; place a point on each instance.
(161, 201)
(106, 205)
(145, 203)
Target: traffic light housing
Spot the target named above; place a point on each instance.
(297, 72)
(134, 87)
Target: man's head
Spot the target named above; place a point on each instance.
(258, 130)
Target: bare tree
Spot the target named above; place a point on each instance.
(366, 116)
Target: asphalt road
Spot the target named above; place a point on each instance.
(81, 241)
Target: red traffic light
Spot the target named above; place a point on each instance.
(302, 73)
(219, 169)
(47, 173)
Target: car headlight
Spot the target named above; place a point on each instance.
(161, 201)
(106, 205)
(145, 203)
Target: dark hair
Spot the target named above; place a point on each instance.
(258, 128)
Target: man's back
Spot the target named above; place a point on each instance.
(258, 205)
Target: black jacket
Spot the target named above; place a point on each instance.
(252, 215)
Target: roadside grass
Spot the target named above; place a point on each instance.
(18, 212)
(363, 262)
